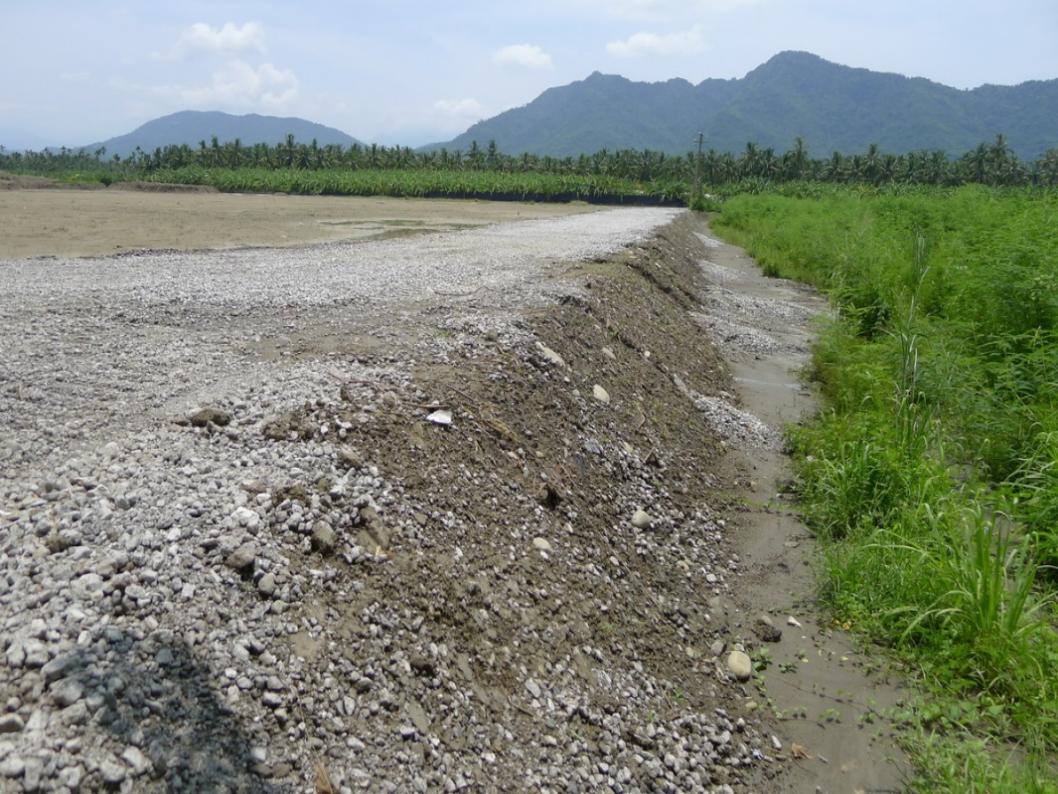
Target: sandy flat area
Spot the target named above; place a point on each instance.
(75, 223)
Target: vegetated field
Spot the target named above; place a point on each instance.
(51, 222)
(932, 475)
(425, 183)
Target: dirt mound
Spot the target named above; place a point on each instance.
(566, 551)
(25, 182)
(161, 187)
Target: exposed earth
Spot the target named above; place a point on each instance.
(60, 221)
(466, 510)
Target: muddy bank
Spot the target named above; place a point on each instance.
(831, 695)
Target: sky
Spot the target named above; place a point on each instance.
(408, 72)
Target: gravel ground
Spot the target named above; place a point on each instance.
(189, 541)
(97, 345)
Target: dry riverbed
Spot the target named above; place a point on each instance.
(445, 512)
(55, 221)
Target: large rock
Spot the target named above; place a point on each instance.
(740, 665)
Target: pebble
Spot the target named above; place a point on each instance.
(67, 692)
(323, 538)
(766, 629)
(242, 558)
(267, 584)
(112, 772)
(139, 762)
(740, 665)
(550, 355)
(600, 394)
(641, 519)
(541, 544)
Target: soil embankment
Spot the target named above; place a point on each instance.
(444, 513)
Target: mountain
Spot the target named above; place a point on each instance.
(192, 126)
(833, 107)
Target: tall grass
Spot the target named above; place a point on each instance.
(932, 474)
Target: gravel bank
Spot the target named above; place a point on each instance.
(226, 570)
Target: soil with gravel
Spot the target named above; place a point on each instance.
(42, 217)
(441, 513)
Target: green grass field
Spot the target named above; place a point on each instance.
(931, 476)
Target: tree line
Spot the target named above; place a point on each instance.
(992, 163)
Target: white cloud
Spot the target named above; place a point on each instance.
(528, 55)
(685, 42)
(227, 39)
(460, 107)
(238, 83)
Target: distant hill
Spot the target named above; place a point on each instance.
(192, 126)
(833, 107)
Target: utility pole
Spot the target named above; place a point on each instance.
(698, 167)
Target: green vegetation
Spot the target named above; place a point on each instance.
(426, 184)
(931, 477)
(625, 177)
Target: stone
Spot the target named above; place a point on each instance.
(67, 692)
(207, 416)
(608, 352)
(766, 630)
(717, 647)
(323, 538)
(13, 766)
(71, 777)
(11, 723)
(740, 665)
(424, 666)
(551, 355)
(112, 772)
(533, 688)
(641, 519)
(245, 517)
(350, 458)
(541, 544)
(242, 559)
(266, 585)
(136, 759)
(600, 394)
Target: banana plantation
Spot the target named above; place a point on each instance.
(640, 172)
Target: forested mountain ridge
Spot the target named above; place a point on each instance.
(794, 94)
(190, 127)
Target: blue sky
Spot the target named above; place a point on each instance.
(414, 72)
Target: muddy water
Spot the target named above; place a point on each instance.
(831, 695)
